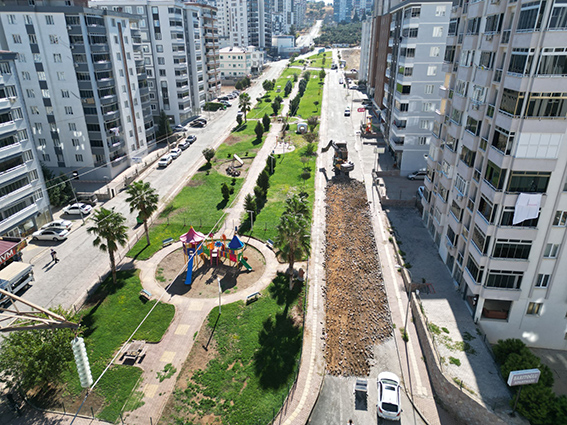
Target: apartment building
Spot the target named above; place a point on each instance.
(365, 46)
(84, 86)
(413, 72)
(233, 23)
(282, 16)
(24, 203)
(237, 62)
(260, 24)
(180, 64)
(496, 193)
(342, 11)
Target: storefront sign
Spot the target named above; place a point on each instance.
(523, 377)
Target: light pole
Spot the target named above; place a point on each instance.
(251, 219)
(220, 291)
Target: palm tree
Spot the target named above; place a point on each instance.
(292, 238)
(110, 232)
(144, 198)
(244, 104)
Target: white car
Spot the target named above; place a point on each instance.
(175, 152)
(78, 208)
(389, 399)
(58, 224)
(347, 111)
(164, 161)
(50, 235)
(418, 175)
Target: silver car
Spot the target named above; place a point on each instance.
(50, 235)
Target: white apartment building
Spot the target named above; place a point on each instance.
(83, 85)
(418, 32)
(365, 52)
(342, 10)
(24, 203)
(176, 56)
(233, 23)
(496, 194)
(237, 62)
(260, 24)
(282, 16)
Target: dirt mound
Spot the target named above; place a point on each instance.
(357, 311)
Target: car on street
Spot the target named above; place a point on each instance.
(418, 175)
(58, 224)
(197, 124)
(353, 87)
(78, 208)
(226, 103)
(178, 128)
(232, 95)
(184, 144)
(50, 235)
(389, 400)
(347, 111)
(175, 153)
(341, 81)
(164, 161)
(225, 98)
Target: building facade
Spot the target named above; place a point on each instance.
(414, 70)
(260, 24)
(84, 86)
(365, 44)
(24, 203)
(237, 62)
(495, 199)
(342, 11)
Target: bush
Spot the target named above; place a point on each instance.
(506, 347)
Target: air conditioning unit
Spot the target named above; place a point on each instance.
(69, 27)
(489, 37)
(12, 99)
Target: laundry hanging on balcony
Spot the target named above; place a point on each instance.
(527, 207)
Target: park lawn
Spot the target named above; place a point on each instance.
(106, 325)
(257, 350)
(242, 140)
(286, 176)
(199, 204)
(316, 61)
(313, 92)
(265, 107)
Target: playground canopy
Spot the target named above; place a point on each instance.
(192, 236)
(235, 243)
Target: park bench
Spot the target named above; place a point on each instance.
(252, 297)
(145, 294)
(270, 244)
(135, 351)
(167, 242)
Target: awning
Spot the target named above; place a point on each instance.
(7, 250)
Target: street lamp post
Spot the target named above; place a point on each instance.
(251, 219)
(220, 291)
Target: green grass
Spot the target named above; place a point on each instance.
(313, 92)
(316, 61)
(199, 204)
(266, 107)
(455, 361)
(258, 348)
(106, 326)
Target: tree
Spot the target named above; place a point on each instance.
(312, 122)
(263, 181)
(292, 237)
(144, 198)
(276, 107)
(295, 77)
(209, 154)
(316, 104)
(266, 122)
(310, 137)
(294, 105)
(259, 130)
(288, 88)
(278, 99)
(59, 189)
(268, 85)
(110, 232)
(249, 203)
(322, 74)
(239, 119)
(310, 148)
(244, 104)
(164, 127)
(307, 76)
(37, 358)
(225, 190)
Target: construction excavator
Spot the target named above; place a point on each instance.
(341, 164)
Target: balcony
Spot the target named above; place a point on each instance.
(7, 127)
(13, 173)
(99, 48)
(106, 82)
(6, 103)
(500, 294)
(13, 220)
(117, 161)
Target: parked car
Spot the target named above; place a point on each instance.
(58, 224)
(87, 198)
(341, 81)
(220, 99)
(178, 128)
(164, 161)
(226, 103)
(175, 153)
(187, 142)
(50, 235)
(353, 87)
(232, 95)
(236, 92)
(78, 208)
(347, 111)
(197, 124)
(418, 175)
(389, 401)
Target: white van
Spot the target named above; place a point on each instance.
(14, 277)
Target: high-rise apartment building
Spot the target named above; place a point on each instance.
(342, 10)
(181, 65)
(282, 16)
(84, 86)
(260, 24)
(414, 71)
(496, 193)
(24, 203)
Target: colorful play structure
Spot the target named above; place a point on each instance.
(196, 247)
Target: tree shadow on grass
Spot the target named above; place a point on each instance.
(257, 141)
(222, 204)
(279, 290)
(240, 128)
(280, 342)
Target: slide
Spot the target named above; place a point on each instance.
(189, 277)
(245, 264)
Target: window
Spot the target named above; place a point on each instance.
(480, 240)
(542, 280)
(473, 126)
(17, 39)
(32, 38)
(21, 57)
(530, 16)
(118, 56)
(437, 31)
(49, 20)
(423, 140)
(486, 60)
(512, 102)
(453, 26)
(553, 61)
(473, 26)
(486, 209)
(528, 181)
(440, 10)
(65, 93)
(75, 142)
(503, 140)
(72, 126)
(162, 73)
(512, 249)
(425, 124)
(474, 270)
(68, 110)
(36, 57)
(551, 250)
(534, 309)
(41, 75)
(428, 89)
(560, 218)
(61, 76)
(547, 105)
(428, 106)
(159, 48)
(493, 24)
(53, 39)
(30, 93)
(403, 89)
(558, 18)
(34, 110)
(45, 93)
(79, 158)
(494, 175)
(434, 52)
(521, 61)
(161, 61)
(28, 19)
(504, 279)
(431, 71)
(57, 58)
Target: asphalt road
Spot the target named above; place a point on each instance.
(336, 403)
(307, 39)
(81, 265)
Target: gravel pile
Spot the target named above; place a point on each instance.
(357, 311)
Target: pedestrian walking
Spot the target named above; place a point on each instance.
(54, 256)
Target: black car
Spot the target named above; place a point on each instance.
(197, 124)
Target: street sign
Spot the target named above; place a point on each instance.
(523, 377)
(361, 109)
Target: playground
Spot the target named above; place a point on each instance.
(237, 268)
